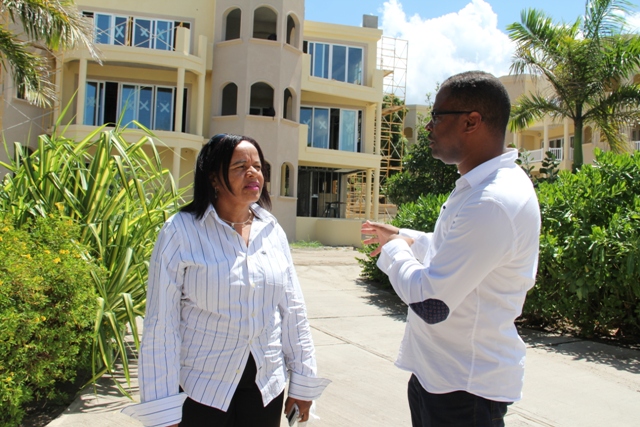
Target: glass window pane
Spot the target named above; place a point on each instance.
(103, 28)
(311, 45)
(164, 35)
(145, 99)
(127, 105)
(164, 108)
(355, 65)
(306, 119)
(348, 130)
(338, 63)
(120, 31)
(142, 32)
(90, 104)
(321, 128)
(325, 69)
(318, 58)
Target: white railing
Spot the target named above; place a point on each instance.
(637, 144)
(557, 152)
(535, 155)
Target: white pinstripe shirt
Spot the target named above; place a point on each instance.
(211, 301)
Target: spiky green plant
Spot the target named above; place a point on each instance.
(121, 196)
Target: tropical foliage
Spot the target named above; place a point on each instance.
(27, 25)
(47, 311)
(587, 65)
(120, 195)
(589, 268)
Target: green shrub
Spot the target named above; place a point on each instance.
(419, 215)
(120, 195)
(589, 269)
(47, 310)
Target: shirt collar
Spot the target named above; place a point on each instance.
(476, 175)
(261, 214)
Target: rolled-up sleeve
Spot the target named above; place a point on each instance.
(297, 344)
(159, 364)
(480, 238)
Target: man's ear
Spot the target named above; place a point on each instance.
(473, 121)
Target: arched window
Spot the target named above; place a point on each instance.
(230, 100)
(408, 132)
(267, 176)
(233, 21)
(286, 180)
(292, 31)
(287, 111)
(265, 24)
(261, 103)
(636, 79)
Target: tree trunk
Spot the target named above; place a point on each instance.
(578, 159)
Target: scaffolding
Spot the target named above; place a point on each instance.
(392, 60)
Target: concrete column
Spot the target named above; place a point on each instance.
(566, 146)
(58, 88)
(376, 193)
(175, 167)
(179, 101)
(367, 194)
(545, 140)
(200, 108)
(82, 91)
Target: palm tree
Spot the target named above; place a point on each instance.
(49, 25)
(587, 65)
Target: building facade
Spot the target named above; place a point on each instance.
(310, 93)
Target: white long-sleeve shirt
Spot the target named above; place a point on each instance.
(475, 269)
(212, 300)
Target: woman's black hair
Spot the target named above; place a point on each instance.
(214, 160)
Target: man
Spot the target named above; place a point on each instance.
(466, 282)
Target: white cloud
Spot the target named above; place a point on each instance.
(633, 22)
(443, 46)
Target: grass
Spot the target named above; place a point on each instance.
(305, 244)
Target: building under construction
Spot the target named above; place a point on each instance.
(392, 59)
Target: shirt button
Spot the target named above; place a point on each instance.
(253, 315)
(237, 371)
(253, 284)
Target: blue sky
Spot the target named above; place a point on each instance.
(446, 37)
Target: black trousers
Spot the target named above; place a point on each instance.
(246, 408)
(456, 409)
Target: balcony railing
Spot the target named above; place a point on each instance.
(557, 152)
(637, 145)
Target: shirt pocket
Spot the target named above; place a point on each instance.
(270, 269)
(211, 285)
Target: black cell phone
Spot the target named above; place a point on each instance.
(293, 415)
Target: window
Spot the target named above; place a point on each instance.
(230, 100)
(319, 192)
(332, 128)
(555, 146)
(261, 103)
(232, 30)
(292, 31)
(286, 180)
(265, 24)
(152, 106)
(336, 62)
(123, 30)
(287, 111)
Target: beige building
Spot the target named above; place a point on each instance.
(556, 136)
(310, 93)
(542, 136)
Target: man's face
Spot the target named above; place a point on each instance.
(446, 128)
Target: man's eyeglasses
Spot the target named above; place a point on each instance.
(436, 114)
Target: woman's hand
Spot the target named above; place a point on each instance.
(303, 405)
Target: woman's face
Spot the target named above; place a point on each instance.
(245, 177)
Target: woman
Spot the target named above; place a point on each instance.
(226, 320)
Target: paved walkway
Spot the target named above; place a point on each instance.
(357, 330)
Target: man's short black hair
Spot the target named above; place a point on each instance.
(482, 92)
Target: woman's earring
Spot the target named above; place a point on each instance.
(215, 192)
